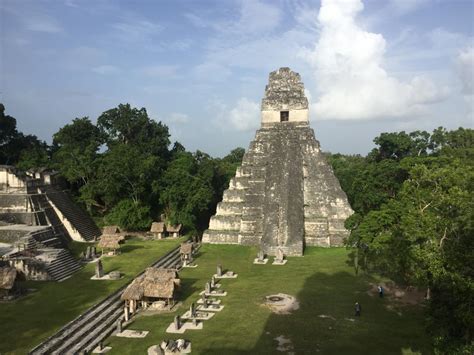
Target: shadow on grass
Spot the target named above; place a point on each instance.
(188, 288)
(325, 322)
(128, 248)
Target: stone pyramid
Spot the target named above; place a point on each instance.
(285, 194)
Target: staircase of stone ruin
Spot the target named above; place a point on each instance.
(63, 265)
(85, 332)
(79, 219)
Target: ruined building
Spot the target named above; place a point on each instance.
(37, 220)
(284, 195)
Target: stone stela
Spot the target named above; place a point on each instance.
(99, 269)
(285, 194)
(260, 259)
(279, 258)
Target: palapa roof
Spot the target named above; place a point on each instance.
(134, 291)
(110, 241)
(173, 229)
(111, 230)
(157, 227)
(186, 248)
(156, 283)
(161, 289)
(7, 277)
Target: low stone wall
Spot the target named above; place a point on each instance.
(27, 218)
(10, 236)
(30, 268)
(14, 203)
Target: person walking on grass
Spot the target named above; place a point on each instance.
(357, 309)
(380, 288)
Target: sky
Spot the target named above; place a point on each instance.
(201, 66)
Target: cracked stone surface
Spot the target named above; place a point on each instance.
(284, 195)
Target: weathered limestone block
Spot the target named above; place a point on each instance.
(286, 192)
(225, 222)
(233, 196)
(229, 208)
(220, 237)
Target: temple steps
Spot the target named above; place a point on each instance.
(239, 183)
(220, 236)
(225, 222)
(233, 195)
(78, 218)
(45, 238)
(229, 208)
(63, 265)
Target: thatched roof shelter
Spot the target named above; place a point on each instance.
(173, 229)
(110, 230)
(161, 289)
(110, 241)
(157, 227)
(186, 248)
(154, 283)
(7, 277)
(134, 291)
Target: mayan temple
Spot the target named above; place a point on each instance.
(285, 194)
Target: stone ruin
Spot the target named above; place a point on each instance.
(37, 220)
(284, 195)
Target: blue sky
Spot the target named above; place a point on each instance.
(201, 66)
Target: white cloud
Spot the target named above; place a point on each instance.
(106, 69)
(348, 64)
(465, 64)
(178, 118)
(244, 116)
(254, 17)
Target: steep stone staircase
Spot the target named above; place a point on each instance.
(62, 264)
(45, 215)
(78, 218)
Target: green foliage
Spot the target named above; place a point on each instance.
(130, 215)
(414, 222)
(24, 151)
(133, 127)
(188, 193)
(76, 150)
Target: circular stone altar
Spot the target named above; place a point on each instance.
(281, 303)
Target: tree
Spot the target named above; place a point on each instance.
(76, 150)
(24, 151)
(188, 194)
(76, 155)
(130, 215)
(133, 127)
(423, 236)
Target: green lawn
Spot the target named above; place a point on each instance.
(323, 284)
(31, 319)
